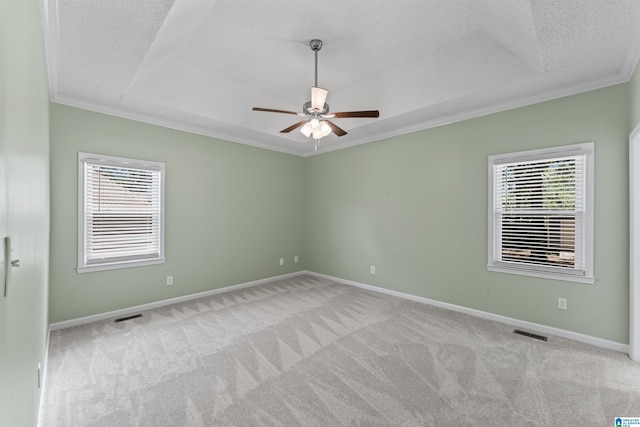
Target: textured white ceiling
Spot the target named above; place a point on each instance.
(201, 65)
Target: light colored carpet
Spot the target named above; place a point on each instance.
(310, 352)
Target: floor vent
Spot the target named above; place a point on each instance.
(133, 316)
(530, 335)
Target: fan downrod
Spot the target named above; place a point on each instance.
(316, 45)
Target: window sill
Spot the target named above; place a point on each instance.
(543, 275)
(119, 265)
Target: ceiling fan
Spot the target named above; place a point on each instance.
(316, 123)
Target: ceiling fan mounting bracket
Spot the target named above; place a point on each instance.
(315, 44)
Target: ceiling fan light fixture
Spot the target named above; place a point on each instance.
(316, 128)
(306, 129)
(325, 129)
(318, 98)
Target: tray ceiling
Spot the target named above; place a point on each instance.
(201, 66)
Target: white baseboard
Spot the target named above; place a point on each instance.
(535, 327)
(144, 307)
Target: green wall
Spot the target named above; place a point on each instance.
(232, 211)
(415, 206)
(24, 208)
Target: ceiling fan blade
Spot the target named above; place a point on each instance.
(292, 127)
(271, 110)
(347, 114)
(318, 98)
(337, 130)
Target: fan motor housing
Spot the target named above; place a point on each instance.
(306, 108)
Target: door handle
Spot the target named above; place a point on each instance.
(8, 264)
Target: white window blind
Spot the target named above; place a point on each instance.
(122, 212)
(540, 214)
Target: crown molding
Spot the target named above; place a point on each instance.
(496, 107)
(166, 123)
(486, 110)
(633, 56)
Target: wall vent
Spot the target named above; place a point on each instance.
(530, 335)
(133, 316)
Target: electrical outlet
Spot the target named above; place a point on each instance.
(281, 261)
(169, 280)
(562, 303)
(372, 269)
(295, 259)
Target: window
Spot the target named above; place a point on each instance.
(541, 213)
(120, 212)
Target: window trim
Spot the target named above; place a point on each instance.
(83, 266)
(546, 272)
